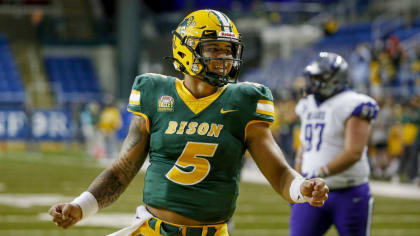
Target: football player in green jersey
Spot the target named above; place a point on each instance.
(195, 131)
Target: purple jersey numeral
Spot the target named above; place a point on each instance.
(309, 134)
(308, 137)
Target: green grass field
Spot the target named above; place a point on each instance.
(260, 211)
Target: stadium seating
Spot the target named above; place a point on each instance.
(73, 79)
(281, 72)
(348, 36)
(11, 89)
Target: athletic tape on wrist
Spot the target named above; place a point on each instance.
(87, 203)
(294, 190)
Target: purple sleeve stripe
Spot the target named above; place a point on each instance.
(366, 110)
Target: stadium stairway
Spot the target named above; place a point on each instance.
(23, 43)
(28, 58)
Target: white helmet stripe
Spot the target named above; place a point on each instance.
(223, 20)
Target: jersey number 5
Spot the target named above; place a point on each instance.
(192, 157)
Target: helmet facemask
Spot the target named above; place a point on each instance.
(324, 88)
(230, 64)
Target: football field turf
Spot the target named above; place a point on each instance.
(31, 182)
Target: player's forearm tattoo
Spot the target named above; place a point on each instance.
(112, 182)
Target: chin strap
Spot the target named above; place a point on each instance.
(209, 77)
(216, 80)
(320, 98)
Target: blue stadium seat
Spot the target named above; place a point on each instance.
(73, 78)
(404, 33)
(364, 27)
(11, 89)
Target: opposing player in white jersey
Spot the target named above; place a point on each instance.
(335, 126)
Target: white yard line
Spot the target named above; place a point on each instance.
(396, 190)
(250, 173)
(51, 232)
(112, 220)
(29, 200)
(262, 232)
(395, 232)
(120, 220)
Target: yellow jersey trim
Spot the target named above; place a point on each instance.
(265, 112)
(134, 98)
(144, 116)
(254, 122)
(266, 102)
(196, 105)
(265, 107)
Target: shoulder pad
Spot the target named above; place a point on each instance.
(357, 104)
(301, 106)
(256, 90)
(366, 108)
(148, 79)
(259, 101)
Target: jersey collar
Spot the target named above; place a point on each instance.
(196, 105)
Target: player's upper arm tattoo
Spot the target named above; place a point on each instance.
(112, 182)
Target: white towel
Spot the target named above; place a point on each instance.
(142, 214)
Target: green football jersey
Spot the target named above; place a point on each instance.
(196, 145)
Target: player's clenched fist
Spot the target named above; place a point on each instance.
(65, 214)
(315, 191)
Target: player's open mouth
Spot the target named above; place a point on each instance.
(219, 70)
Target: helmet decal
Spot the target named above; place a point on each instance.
(227, 34)
(185, 23)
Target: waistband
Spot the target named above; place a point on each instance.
(336, 182)
(169, 229)
(348, 188)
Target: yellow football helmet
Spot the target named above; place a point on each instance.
(205, 26)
